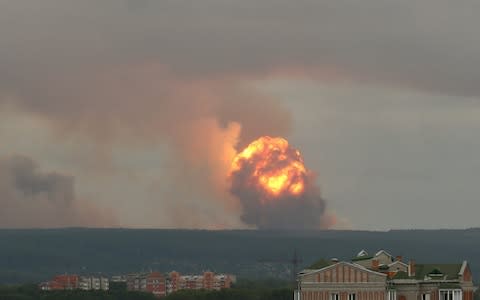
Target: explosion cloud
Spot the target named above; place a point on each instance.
(275, 188)
(199, 123)
(118, 99)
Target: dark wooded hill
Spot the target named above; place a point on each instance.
(36, 255)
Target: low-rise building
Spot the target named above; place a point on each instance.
(153, 282)
(384, 277)
(207, 281)
(118, 278)
(61, 282)
(74, 282)
(89, 283)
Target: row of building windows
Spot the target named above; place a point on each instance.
(367, 295)
(450, 295)
(392, 295)
(336, 296)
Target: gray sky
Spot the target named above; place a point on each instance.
(142, 103)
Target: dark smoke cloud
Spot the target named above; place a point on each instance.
(56, 188)
(284, 211)
(303, 212)
(200, 121)
(32, 198)
(174, 72)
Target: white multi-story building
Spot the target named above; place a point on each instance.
(89, 283)
(119, 278)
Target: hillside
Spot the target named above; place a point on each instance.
(35, 255)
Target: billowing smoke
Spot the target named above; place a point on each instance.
(275, 188)
(114, 82)
(200, 123)
(31, 198)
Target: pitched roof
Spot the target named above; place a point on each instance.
(450, 271)
(464, 266)
(359, 258)
(307, 272)
(362, 253)
(398, 262)
(383, 251)
(319, 264)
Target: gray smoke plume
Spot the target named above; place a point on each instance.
(199, 123)
(31, 198)
(283, 211)
(304, 212)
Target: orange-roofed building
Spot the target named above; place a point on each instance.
(156, 284)
(208, 281)
(61, 282)
(174, 282)
(153, 282)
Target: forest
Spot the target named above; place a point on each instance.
(32, 256)
(247, 291)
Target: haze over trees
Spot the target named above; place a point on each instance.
(37, 255)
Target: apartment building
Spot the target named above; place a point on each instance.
(88, 283)
(208, 281)
(61, 282)
(74, 282)
(153, 282)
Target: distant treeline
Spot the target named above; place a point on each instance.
(31, 292)
(37, 255)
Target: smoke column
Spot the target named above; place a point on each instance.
(32, 198)
(274, 187)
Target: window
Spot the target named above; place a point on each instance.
(425, 296)
(392, 295)
(450, 295)
(334, 296)
(352, 297)
(446, 295)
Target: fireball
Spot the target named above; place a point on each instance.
(272, 166)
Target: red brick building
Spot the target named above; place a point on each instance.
(208, 281)
(385, 277)
(156, 284)
(159, 285)
(61, 282)
(153, 282)
(173, 282)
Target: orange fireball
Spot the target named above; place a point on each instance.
(272, 166)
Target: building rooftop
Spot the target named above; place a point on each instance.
(443, 271)
(319, 264)
(359, 258)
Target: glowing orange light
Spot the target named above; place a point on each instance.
(273, 166)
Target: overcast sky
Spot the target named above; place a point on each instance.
(127, 113)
